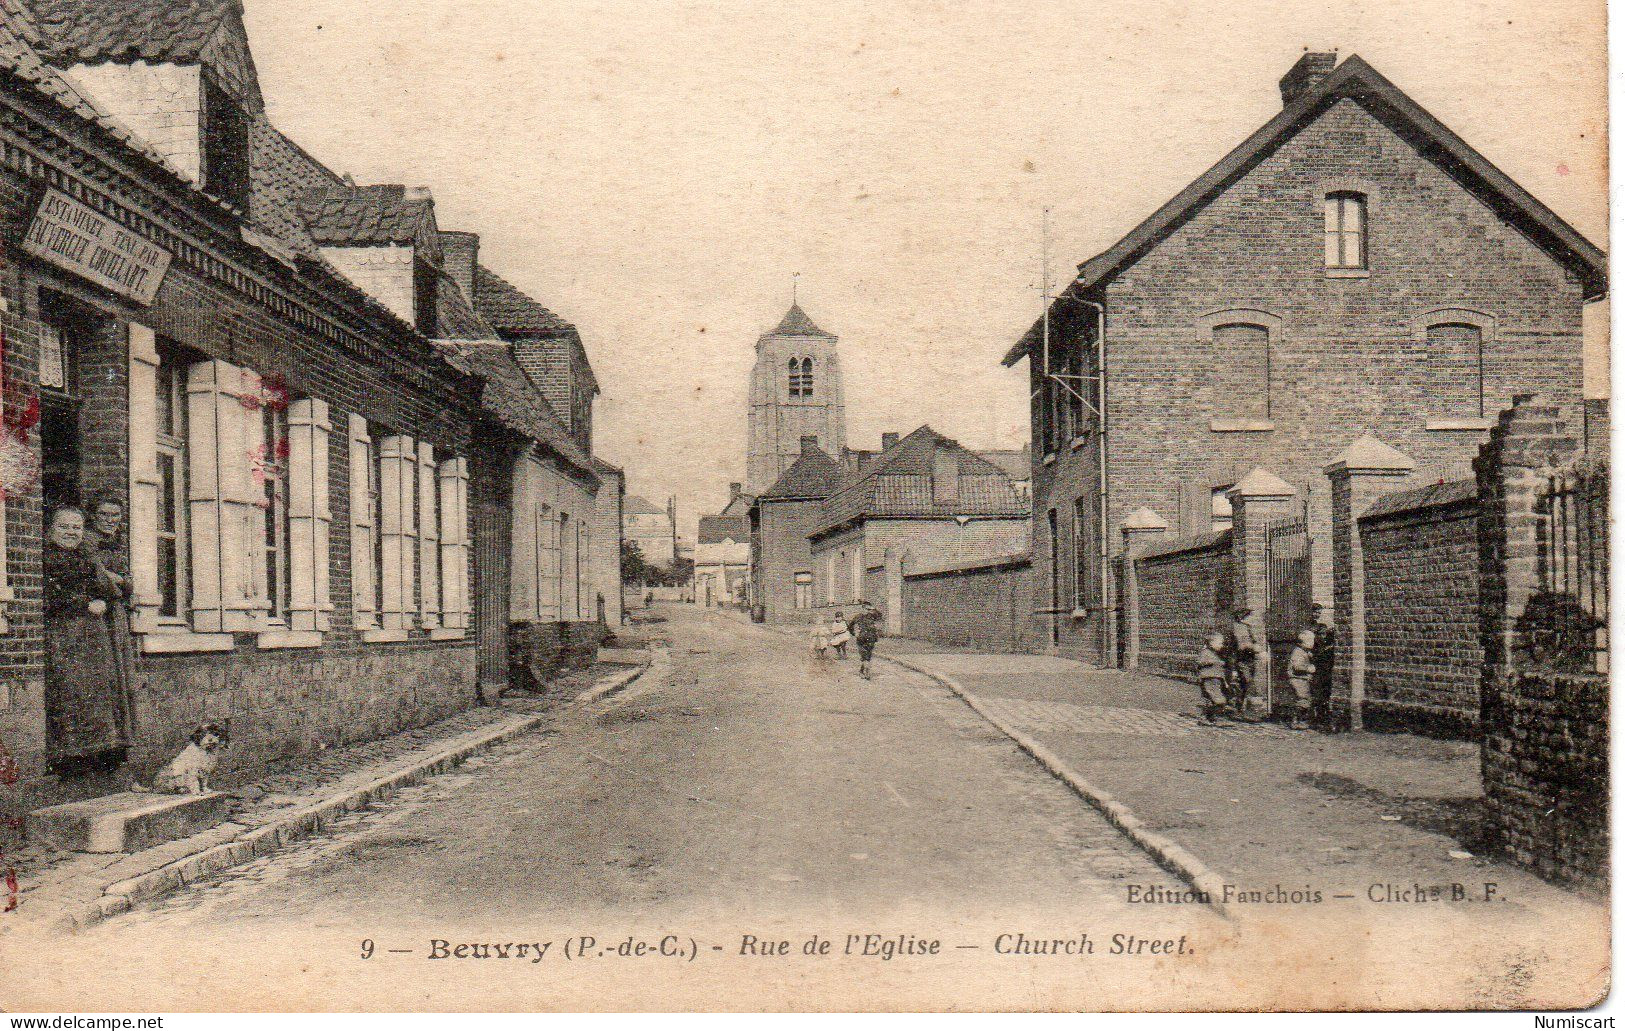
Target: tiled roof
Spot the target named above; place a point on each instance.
(509, 308)
(281, 173)
(1353, 79)
(364, 216)
(898, 484)
(509, 396)
(155, 31)
(796, 324)
(812, 475)
(716, 529)
(455, 317)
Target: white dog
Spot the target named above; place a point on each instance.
(189, 772)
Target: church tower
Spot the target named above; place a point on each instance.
(795, 392)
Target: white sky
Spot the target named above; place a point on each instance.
(655, 171)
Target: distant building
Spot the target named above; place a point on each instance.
(822, 533)
(795, 392)
(653, 530)
(722, 553)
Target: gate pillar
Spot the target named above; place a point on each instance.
(1361, 474)
(1258, 499)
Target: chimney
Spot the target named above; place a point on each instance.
(888, 441)
(1311, 68)
(460, 253)
(809, 444)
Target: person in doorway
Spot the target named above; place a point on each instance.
(839, 634)
(865, 628)
(106, 540)
(84, 696)
(1241, 654)
(1300, 671)
(1210, 673)
(1325, 655)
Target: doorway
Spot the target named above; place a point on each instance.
(1054, 580)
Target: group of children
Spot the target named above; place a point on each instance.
(1228, 662)
(835, 635)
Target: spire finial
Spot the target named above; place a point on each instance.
(795, 281)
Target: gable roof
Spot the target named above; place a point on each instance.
(155, 31)
(507, 394)
(637, 504)
(796, 324)
(367, 216)
(510, 309)
(813, 475)
(714, 529)
(1356, 80)
(898, 484)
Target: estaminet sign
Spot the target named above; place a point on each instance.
(68, 234)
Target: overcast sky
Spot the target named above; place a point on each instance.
(655, 171)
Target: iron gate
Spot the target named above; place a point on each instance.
(1287, 606)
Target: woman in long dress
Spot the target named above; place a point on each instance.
(84, 703)
(105, 539)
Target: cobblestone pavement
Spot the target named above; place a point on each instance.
(1068, 718)
(752, 792)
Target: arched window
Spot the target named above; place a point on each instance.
(1345, 230)
(801, 377)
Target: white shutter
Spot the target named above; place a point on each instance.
(428, 539)
(222, 496)
(397, 460)
(309, 517)
(454, 544)
(144, 482)
(361, 528)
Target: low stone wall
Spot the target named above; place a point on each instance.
(1424, 655)
(1185, 588)
(1545, 762)
(986, 604)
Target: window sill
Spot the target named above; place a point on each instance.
(1241, 425)
(1464, 425)
(178, 641)
(276, 639)
(444, 633)
(1348, 273)
(392, 635)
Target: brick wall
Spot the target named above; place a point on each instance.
(1185, 586)
(781, 552)
(1546, 773)
(985, 604)
(161, 103)
(1424, 658)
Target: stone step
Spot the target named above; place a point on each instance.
(126, 822)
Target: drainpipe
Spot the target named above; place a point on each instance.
(1108, 625)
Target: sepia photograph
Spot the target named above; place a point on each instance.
(515, 506)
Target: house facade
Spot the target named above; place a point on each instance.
(921, 501)
(1352, 268)
(266, 368)
(652, 529)
(722, 553)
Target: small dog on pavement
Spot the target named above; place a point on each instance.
(189, 772)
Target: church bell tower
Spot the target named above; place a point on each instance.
(795, 392)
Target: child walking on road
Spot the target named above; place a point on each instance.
(1210, 669)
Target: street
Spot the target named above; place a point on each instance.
(750, 791)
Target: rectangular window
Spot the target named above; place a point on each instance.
(174, 543)
(1455, 367)
(1086, 591)
(804, 590)
(272, 468)
(1345, 231)
(857, 574)
(1241, 371)
(375, 518)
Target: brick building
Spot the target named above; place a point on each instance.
(722, 552)
(780, 520)
(1353, 267)
(273, 371)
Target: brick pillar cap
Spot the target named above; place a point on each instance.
(1261, 483)
(1144, 519)
(1370, 455)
